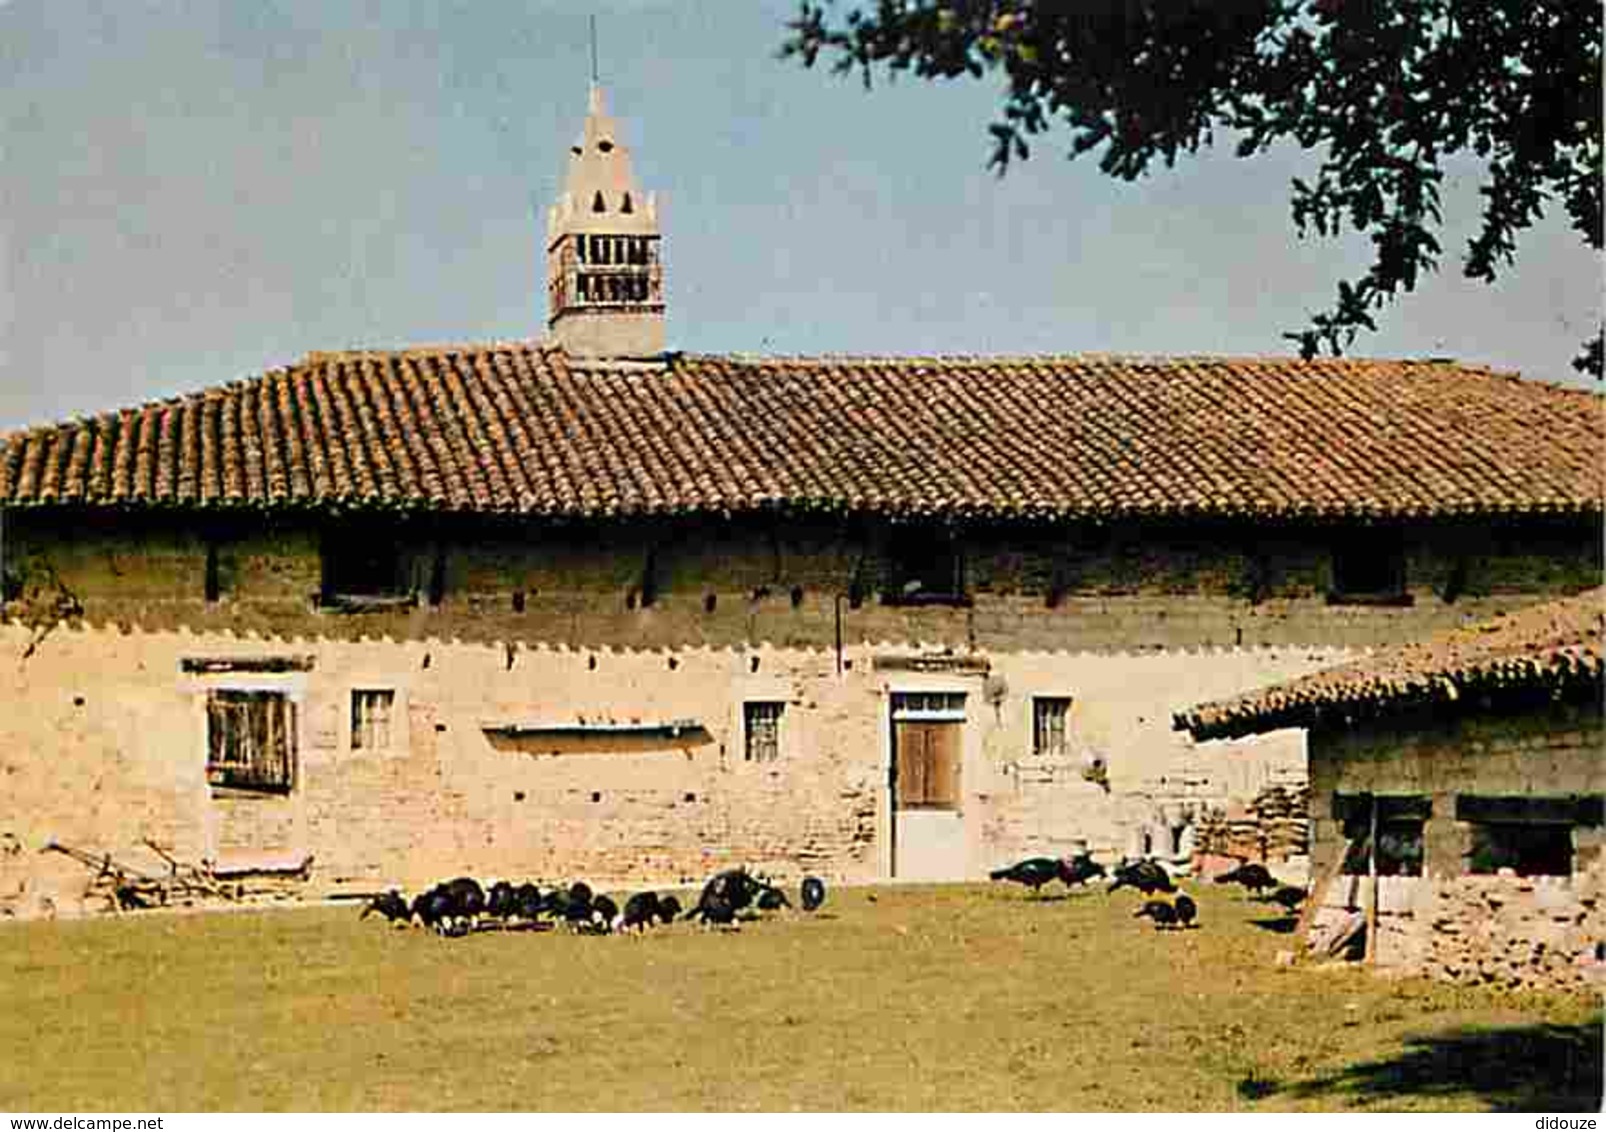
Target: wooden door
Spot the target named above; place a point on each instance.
(927, 765)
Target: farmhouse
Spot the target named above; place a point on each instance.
(1458, 789)
(583, 605)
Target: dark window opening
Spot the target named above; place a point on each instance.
(1531, 836)
(1400, 823)
(364, 566)
(924, 567)
(597, 204)
(626, 206)
(213, 584)
(251, 741)
(1369, 568)
(1544, 850)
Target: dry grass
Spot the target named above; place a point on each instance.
(902, 998)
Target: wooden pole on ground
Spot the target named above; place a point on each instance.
(1314, 898)
(1370, 956)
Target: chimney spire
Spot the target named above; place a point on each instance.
(604, 270)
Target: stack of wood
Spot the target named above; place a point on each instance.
(1273, 827)
(1284, 818)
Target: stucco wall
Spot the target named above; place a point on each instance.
(102, 742)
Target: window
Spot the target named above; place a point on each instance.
(1532, 836)
(370, 718)
(924, 567)
(1369, 568)
(761, 726)
(1400, 823)
(1527, 850)
(929, 705)
(1049, 714)
(364, 568)
(251, 740)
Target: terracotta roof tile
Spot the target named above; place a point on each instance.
(1551, 647)
(524, 429)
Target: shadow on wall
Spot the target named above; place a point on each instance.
(1540, 1068)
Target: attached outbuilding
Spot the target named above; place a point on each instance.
(1456, 795)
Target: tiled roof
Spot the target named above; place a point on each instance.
(1554, 648)
(523, 428)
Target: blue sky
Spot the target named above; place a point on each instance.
(194, 192)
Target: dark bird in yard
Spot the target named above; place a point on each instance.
(528, 902)
(1147, 876)
(812, 893)
(640, 911)
(1163, 914)
(1187, 911)
(668, 908)
(1254, 877)
(1035, 872)
(1289, 896)
(434, 909)
(714, 908)
(468, 896)
(772, 899)
(603, 914)
(499, 901)
(733, 889)
(576, 904)
(391, 905)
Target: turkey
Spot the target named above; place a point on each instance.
(1187, 911)
(1035, 872)
(603, 914)
(772, 899)
(391, 905)
(1290, 897)
(1163, 914)
(812, 894)
(640, 911)
(1147, 876)
(1254, 877)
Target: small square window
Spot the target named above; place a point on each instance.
(1401, 820)
(251, 740)
(364, 566)
(370, 719)
(1049, 716)
(924, 567)
(1369, 569)
(761, 726)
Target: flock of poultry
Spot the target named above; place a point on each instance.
(457, 907)
(1149, 877)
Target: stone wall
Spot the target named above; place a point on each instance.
(103, 737)
(1499, 928)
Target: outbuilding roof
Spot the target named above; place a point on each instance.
(524, 429)
(1553, 649)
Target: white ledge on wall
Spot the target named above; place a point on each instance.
(674, 728)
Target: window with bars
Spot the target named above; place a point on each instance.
(371, 710)
(251, 740)
(761, 726)
(1049, 716)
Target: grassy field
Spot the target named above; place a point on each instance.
(896, 998)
